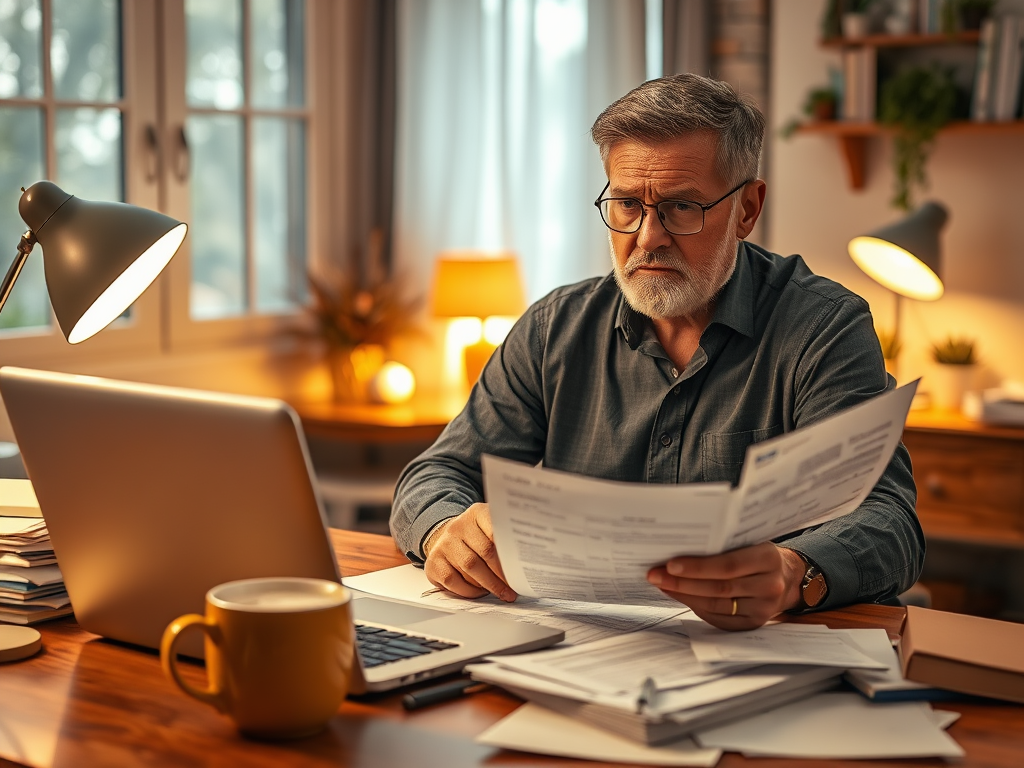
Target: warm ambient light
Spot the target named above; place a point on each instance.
(473, 284)
(394, 383)
(128, 286)
(98, 257)
(896, 269)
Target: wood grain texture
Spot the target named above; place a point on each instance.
(84, 701)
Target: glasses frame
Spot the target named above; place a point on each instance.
(657, 207)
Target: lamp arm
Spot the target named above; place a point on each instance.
(24, 249)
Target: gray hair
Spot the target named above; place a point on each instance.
(671, 107)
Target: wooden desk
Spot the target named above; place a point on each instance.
(84, 702)
(420, 420)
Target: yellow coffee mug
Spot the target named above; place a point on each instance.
(279, 653)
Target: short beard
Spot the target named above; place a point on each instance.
(687, 291)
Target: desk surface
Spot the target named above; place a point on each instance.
(420, 420)
(84, 701)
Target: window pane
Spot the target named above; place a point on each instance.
(277, 51)
(21, 165)
(279, 179)
(21, 30)
(218, 216)
(85, 50)
(214, 31)
(89, 153)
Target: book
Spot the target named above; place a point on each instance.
(1006, 96)
(966, 654)
(981, 98)
(18, 499)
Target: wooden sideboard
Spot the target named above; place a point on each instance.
(970, 478)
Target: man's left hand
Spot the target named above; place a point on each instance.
(741, 589)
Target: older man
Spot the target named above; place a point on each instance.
(697, 345)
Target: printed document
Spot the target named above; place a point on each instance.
(778, 644)
(581, 623)
(570, 537)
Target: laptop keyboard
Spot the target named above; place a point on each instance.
(382, 646)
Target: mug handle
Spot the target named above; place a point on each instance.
(169, 658)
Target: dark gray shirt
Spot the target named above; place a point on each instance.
(582, 384)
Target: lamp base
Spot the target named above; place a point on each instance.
(476, 357)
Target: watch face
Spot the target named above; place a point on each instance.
(814, 590)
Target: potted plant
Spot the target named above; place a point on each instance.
(891, 346)
(856, 23)
(355, 320)
(917, 102)
(955, 365)
(821, 104)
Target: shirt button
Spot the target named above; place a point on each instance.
(675, 373)
(666, 440)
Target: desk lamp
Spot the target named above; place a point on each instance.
(480, 285)
(905, 257)
(98, 257)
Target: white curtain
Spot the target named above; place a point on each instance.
(495, 99)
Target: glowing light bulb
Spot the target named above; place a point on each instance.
(394, 383)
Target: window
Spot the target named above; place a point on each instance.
(200, 108)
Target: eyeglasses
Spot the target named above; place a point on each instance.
(678, 217)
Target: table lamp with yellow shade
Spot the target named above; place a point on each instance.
(481, 285)
(905, 257)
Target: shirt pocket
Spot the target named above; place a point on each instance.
(722, 452)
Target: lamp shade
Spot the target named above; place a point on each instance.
(98, 257)
(905, 257)
(476, 284)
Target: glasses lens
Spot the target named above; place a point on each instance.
(622, 214)
(681, 218)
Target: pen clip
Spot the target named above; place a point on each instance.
(648, 690)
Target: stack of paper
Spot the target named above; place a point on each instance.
(658, 685)
(31, 585)
(663, 688)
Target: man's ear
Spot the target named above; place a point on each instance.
(751, 203)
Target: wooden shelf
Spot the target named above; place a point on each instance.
(903, 41)
(853, 137)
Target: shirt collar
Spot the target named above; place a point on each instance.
(734, 308)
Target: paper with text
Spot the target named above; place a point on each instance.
(566, 536)
(778, 644)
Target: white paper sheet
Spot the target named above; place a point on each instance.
(778, 644)
(566, 536)
(581, 623)
(876, 644)
(836, 726)
(618, 664)
(532, 728)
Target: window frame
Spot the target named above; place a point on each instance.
(153, 104)
(183, 330)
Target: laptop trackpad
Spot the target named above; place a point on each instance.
(393, 614)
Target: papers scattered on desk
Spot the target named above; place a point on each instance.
(570, 537)
(532, 728)
(779, 644)
(31, 584)
(18, 498)
(581, 622)
(836, 726)
(1001, 405)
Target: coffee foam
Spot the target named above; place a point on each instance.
(278, 595)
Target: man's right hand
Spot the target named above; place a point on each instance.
(462, 558)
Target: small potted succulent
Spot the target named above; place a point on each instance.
(955, 364)
(856, 19)
(891, 346)
(821, 104)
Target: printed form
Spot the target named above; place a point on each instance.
(569, 537)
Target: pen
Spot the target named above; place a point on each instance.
(648, 690)
(443, 692)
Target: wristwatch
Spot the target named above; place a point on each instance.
(813, 587)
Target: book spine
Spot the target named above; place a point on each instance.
(1002, 102)
(1016, 71)
(851, 96)
(981, 98)
(869, 68)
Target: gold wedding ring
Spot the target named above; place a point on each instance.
(735, 607)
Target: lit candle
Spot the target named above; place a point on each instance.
(394, 383)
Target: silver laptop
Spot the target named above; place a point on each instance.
(153, 495)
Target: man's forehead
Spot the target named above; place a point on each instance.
(678, 166)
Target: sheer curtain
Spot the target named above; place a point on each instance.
(495, 99)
